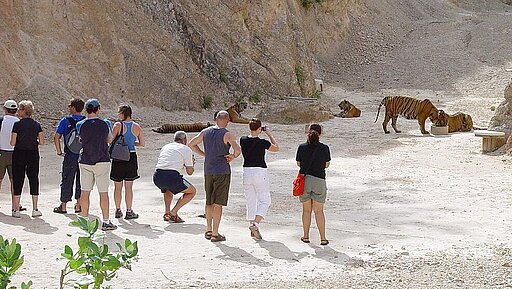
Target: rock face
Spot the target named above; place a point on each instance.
(502, 120)
(166, 53)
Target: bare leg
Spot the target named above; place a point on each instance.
(84, 203)
(318, 208)
(167, 201)
(188, 195)
(128, 194)
(258, 219)
(217, 215)
(16, 203)
(118, 196)
(393, 124)
(209, 216)
(385, 123)
(306, 218)
(104, 205)
(34, 202)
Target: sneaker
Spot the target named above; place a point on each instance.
(119, 213)
(108, 226)
(36, 213)
(16, 214)
(131, 215)
(255, 232)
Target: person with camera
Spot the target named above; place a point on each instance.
(255, 176)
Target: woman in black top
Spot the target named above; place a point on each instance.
(26, 137)
(313, 158)
(255, 176)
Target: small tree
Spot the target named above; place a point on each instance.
(10, 261)
(93, 262)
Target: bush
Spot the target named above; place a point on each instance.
(207, 102)
(308, 3)
(222, 75)
(299, 74)
(255, 98)
(93, 262)
(10, 261)
(316, 94)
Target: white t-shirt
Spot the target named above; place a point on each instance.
(174, 156)
(6, 131)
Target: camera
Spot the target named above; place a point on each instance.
(263, 128)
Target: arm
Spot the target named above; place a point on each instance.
(40, 138)
(110, 136)
(230, 138)
(190, 170)
(274, 147)
(327, 164)
(141, 141)
(13, 138)
(298, 164)
(56, 142)
(194, 143)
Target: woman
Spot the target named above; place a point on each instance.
(126, 171)
(255, 176)
(26, 137)
(313, 158)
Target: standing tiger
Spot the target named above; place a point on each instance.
(408, 107)
(348, 109)
(235, 111)
(457, 122)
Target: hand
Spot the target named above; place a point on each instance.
(229, 157)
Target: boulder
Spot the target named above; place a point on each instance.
(294, 110)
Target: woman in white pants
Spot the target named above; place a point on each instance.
(255, 176)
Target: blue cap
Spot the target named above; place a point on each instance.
(92, 103)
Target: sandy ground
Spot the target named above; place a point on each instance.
(403, 211)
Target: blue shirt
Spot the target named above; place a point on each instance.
(64, 127)
(94, 133)
(128, 134)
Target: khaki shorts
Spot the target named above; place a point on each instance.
(99, 173)
(314, 189)
(217, 189)
(5, 163)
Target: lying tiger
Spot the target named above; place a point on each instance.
(187, 127)
(457, 122)
(408, 107)
(348, 109)
(235, 113)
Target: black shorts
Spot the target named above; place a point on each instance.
(125, 170)
(170, 181)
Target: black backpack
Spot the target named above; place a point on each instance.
(71, 139)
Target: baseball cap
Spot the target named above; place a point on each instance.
(10, 104)
(92, 103)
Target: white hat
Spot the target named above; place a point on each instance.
(10, 104)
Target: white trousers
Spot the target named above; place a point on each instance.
(257, 191)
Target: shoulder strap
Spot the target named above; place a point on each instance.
(72, 121)
(122, 126)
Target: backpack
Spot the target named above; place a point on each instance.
(72, 139)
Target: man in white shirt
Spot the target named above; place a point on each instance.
(6, 149)
(173, 159)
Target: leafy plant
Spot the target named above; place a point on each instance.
(308, 3)
(256, 97)
(10, 261)
(207, 102)
(93, 262)
(222, 75)
(299, 74)
(316, 94)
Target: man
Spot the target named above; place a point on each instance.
(168, 178)
(6, 149)
(70, 171)
(217, 141)
(94, 160)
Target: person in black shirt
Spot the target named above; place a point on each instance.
(313, 158)
(26, 137)
(255, 177)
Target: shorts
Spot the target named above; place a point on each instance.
(98, 173)
(5, 163)
(125, 170)
(217, 189)
(314, 189)
(170, 181)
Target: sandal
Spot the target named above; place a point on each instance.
(305, 240)
(324, 242)
(208, 235)
(218, 238)
(59, 210)
(78, 209)
(202, 216)
(176, 219)
(167, 217)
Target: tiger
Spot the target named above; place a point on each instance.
(187, 127)
(348, 109)
(408, 107)
(234, 113)
(457, 122)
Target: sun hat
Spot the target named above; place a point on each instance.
(10, 104)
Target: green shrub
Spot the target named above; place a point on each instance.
(256, 97)
(308, 3)
(493, 108)
(207, 102)
(316, 94)
(222, 75)
(93, 263)
(299, 74)
(10, 261)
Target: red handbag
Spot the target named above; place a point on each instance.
(298, 185)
